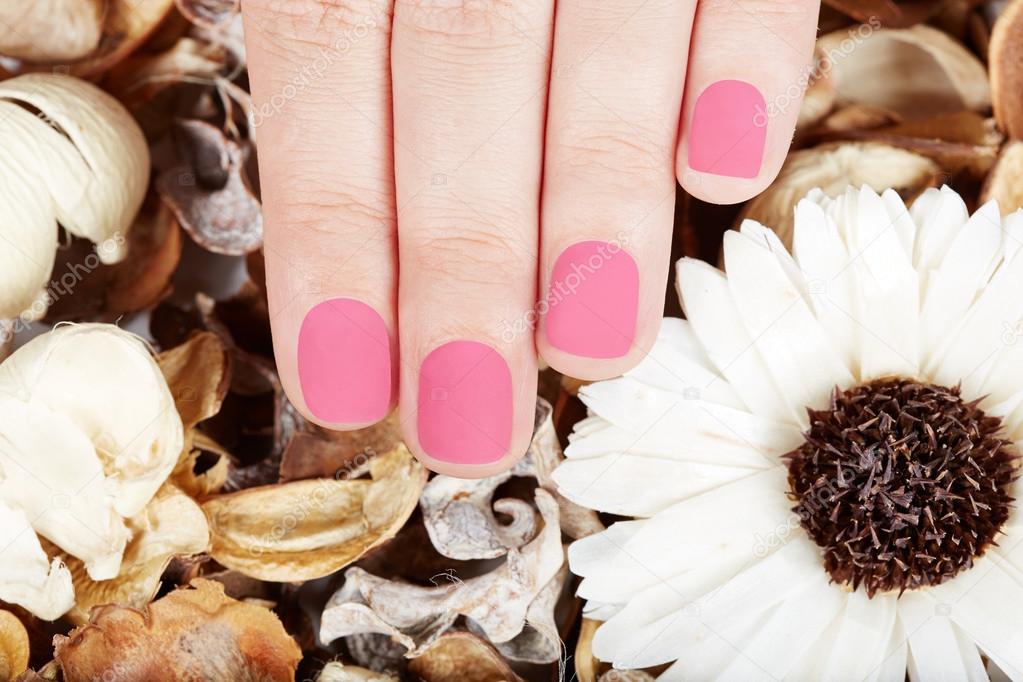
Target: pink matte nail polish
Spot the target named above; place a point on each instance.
(465, 404)
(728, 130)
(344, 362)
(592, 300)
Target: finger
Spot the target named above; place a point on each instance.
(322, 113)
(748, 68)
(470, 88)
(609, 180)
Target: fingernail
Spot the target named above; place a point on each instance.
(728, 130)
(344, 362)
(465, 404)
(592, 300)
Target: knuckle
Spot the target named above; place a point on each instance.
(470, 255)
(312, 204)
(626, 153)
(461, 17)
(322, 22)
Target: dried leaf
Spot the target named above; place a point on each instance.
(461, 657)
(81, 161)
(414, 616)
(198, 374)
(1005, 182)
(50, 30)
(209, 191)
(337, 672)
(13, 646)
(308, 529)
(832, 168)
(172, 524)
(1005, 55)
(190, 634)
(945, 75)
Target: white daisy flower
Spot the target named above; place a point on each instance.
(822, 459)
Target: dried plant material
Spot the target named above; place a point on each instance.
(195, 473)
(308, 529)
(14, 647)
(832, 168)
(496, 603)
(93, 400)
(209, 191)
(198, 375)
(886, 12)
(317, 452)
(539, 642)
(459, 513)
(461, 657)
(7, 328)
(587, 667)
(1005, 56)
(50, 30)
(858, 117)
(208, 12)
(127, 24)
(190, 634)
(626, 676)
(1005, 182)
(81, 161)
(819, 95)
(140, 77)
(338, 672)
(172, 524)
(945, 76)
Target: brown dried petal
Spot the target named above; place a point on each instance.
(190, 634)
(308, 529)
(209, 191)
(461, 657)
(50, 30)
(832, 168)
(1005, 182)
(14, 646)
(198, 374)
(945, 75)
(1005, 57)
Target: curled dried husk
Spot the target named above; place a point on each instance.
(14, 647)
(308, 529)
(1005, 182)
(50, 30)
(832, 168)
(496, 604)
(93, 400)
(1005, 57)
(192, 633)
(945, 75)
(81, 161)
(459, 513)
(461, 657)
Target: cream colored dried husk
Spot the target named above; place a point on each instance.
(50, 30)
(89, 433)
(81, 161)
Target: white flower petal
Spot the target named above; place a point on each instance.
(709, 307)
(893, 667)
(901, 218)
(934, 647)
(792, 342)
(939, 215)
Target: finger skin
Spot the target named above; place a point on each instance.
(609, 180)
(749, 65)
(470, 83)
(322, 115)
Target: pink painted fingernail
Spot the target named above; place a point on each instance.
(465, 404)
(729, 129)
(344, 362)
(592, 300)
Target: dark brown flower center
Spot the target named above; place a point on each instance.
(902, 484)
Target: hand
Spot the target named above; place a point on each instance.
(454, 187)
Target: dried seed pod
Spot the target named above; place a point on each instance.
(194, 633)
(832, 168)
(308, 529)
(1005, 182)
(127, 24)
(81, 161)
(461, 657)
(50, 30)
(1005, 56)
(946, 76)
(14, 647)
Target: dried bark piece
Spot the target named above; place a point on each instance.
(192, 633)
(946, 76)
(14, 647)
(308, 529)
(461, 657)
(50, 30)
(1005, 57)
(1005, 182)
(81, 161)
(496, 603)
(832, 168)
(337, 672)
(210, 193)
(172, 524)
